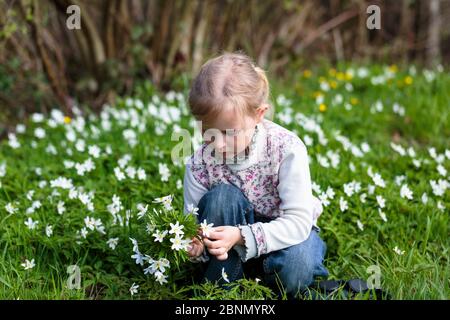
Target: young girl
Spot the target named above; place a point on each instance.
(251, 180)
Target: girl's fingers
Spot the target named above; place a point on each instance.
(223, 256)
(213, 244)
(192, 245)
(195, 251)
(215, 234)
(217, 252)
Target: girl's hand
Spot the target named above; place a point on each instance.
(221, 240)
(196, 248)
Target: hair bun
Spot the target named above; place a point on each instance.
(263, 77)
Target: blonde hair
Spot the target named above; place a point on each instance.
(229, 81)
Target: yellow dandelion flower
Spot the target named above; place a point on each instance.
(354, 101)
(333, 84)
(317, 94)
(307, 73)
(67, 119)
(340, 76)
(408, 80)
(348, 76)
(393, 68)
(322, 107)
(332, 72)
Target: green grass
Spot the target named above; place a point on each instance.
(420, 230)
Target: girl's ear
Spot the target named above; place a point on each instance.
(261, 111)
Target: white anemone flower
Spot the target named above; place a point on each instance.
(49, 230)
(112, 243)
(31, 224)
(343, 204)
(405, 192)
(177, 243)
(398, 251)
(134, 289)
(176, 229)
(159, 236)
(28, 264)
(225, 275)
(381, 201)
(206, 228)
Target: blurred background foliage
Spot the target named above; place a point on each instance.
(44, 65)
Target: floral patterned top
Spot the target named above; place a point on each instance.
(259, 181)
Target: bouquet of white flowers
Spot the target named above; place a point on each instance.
(164, 244)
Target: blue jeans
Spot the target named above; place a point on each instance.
(295, 266)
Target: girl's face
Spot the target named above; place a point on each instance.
(229, 134)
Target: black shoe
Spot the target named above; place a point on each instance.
(329, 289)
